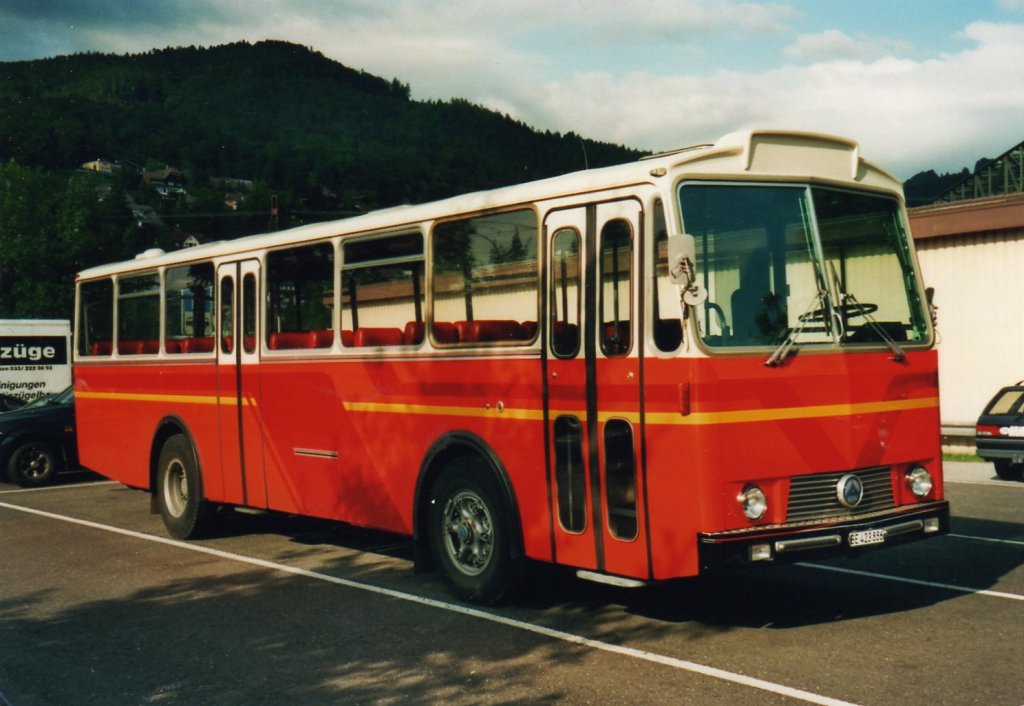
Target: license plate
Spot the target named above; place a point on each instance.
(865, 538)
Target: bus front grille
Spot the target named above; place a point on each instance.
(815, 497)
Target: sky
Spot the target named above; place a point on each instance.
(921, 84)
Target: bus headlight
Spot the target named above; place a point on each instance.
(753, 501)
(919, 480)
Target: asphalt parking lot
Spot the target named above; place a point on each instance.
(97, 606)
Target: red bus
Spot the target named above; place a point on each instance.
(714, 356)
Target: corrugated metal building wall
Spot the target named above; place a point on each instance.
(972, 253)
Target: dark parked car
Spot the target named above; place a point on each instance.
(10, 402)
(38, 440)
(999, 434)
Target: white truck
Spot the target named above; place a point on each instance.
(35, 358)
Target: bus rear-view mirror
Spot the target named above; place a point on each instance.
(682, 257)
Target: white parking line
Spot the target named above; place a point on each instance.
(916, 582)
(64, 486)
(551, 633)
(993, 540)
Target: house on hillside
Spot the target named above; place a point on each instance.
(101, 166)
(167, 182)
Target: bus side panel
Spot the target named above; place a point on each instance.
(119, 407)
(674, 483)
(345, 440)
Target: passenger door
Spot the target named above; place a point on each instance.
(593, 388)
(238, 383)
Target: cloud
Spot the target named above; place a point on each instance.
(834, 44)
(941, 113)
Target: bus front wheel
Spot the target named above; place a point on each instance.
(179, 491)
(470, 534)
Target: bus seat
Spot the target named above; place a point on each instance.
(322, 338)
(149, 346)
(413, 333)
(129, 347)
(616, 337)
(347, 338)
(101, 348)
(202, 344)
(464, 331)
(529, 329)
(445, 332)
(377, 337)
(288, 340)
(172, 346)
(486, 331)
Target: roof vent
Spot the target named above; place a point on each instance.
(152, 252)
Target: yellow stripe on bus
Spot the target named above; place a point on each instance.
(739, 416)
(178, 399)
(449, 411)
(772, 414)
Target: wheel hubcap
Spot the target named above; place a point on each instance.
(176, 488)
(468, 532)
(35, 464)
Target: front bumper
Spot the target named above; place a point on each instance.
(790, 542)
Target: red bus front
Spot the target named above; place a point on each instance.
(805, 416)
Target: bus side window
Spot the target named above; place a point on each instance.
(668, 332)
(300, 297)
(96, 318)
(485, 279)
(565, 293)
(382, 293)
(616, 288)
(138, 314)
(227, 315)
(188, 308)
(570, 479)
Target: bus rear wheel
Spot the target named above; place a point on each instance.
(470, 534)
(179, 491)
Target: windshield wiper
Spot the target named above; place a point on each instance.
(849, 306)
(852, 306)
(817, 310)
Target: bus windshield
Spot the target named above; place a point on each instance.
(801, 265)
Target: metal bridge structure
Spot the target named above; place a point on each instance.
(1003, 175)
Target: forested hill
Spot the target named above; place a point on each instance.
(276, 113)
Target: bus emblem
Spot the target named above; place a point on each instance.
(850, 490)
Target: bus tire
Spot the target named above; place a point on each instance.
(34, 464)
(179, 491)
(470, 533)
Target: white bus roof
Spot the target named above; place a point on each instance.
(748, 154)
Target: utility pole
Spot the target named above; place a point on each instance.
(272, 225)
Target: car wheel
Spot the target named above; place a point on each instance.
(179, 491)
(470, 533)
(34, 463)
(1009, 471)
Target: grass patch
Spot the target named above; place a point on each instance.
(969, 458)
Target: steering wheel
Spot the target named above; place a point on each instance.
(846, 310)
